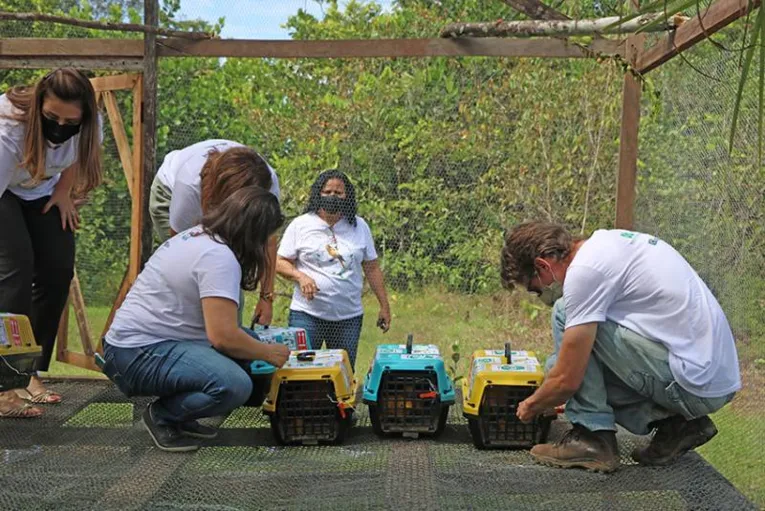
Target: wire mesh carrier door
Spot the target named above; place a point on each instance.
(497, 383)
(407, 390)
(19, 351)
(311, 398)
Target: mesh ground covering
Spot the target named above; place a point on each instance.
(93, 453)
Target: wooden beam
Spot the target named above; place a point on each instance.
(554, 28)
(149, 127)
(62, 339)
(373, 48)
(79, 360)
(52, 50)
(118, 64)
(120, 137)
(71, 48)
(136, 209)
(536, 10)
(626, 180)
(114, 82)
(80, 314)
(100, 25)
(716, 16)
(127, 281)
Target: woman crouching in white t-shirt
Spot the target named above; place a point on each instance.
(324, 252)
(176, 336)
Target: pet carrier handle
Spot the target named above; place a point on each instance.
(409, 342)
(508, 353)
(306, 356)
(255, 322)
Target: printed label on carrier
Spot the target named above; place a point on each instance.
(3, 334)
(515, 367)
(421, 356)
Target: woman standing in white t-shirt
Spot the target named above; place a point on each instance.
(50, 153)
(176, 335)
(324, 251)
(194, 180)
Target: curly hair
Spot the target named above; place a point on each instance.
(350, 194)
(525, 243)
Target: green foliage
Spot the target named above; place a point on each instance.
(453, 363)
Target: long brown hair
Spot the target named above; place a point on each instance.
(227, 171)
(69, 85)
(244, 222)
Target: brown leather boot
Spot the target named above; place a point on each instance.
(580, 447)
(674, 437)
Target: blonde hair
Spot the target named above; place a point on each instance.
(69, 85)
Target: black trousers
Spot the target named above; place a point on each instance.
(36, 266)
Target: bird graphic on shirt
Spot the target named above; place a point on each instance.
(332, 251)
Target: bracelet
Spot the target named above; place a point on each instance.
(269, 297)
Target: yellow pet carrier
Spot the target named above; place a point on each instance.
(497, 383)
(18, 351)
(312, 397)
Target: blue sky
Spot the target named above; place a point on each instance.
(253, 19)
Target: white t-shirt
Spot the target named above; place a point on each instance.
(165, 303)
(180, 172)
(15, 178)
(332, 257)
(640, 282)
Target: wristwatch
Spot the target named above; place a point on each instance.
(269, 296)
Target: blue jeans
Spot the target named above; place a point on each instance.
(339, 335)
(627, 382)
(191, 379)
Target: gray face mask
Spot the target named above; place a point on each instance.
(551, 293)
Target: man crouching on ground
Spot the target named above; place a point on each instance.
(640, 341)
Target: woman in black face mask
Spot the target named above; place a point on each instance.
(50, 155)
(327, 251)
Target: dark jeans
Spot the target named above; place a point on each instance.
(36, 266)
(191, 378)
(339, 335)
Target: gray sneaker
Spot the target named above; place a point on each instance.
(167, 438)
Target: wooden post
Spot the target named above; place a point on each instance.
(62, 341)
(149, 124)
(81, 315)
(626, 180)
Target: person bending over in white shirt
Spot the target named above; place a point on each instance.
(194, 180)
(640, 341)
(50, 158)
(324, 251)
(177, 335)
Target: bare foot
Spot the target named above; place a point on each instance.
(11, 406)
(37, 393)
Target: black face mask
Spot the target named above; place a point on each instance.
(57, 133)
(332, 204)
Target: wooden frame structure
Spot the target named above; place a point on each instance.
(137, 55)
(132, 166)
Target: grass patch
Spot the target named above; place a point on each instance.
(737, 453)
(103, 415)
